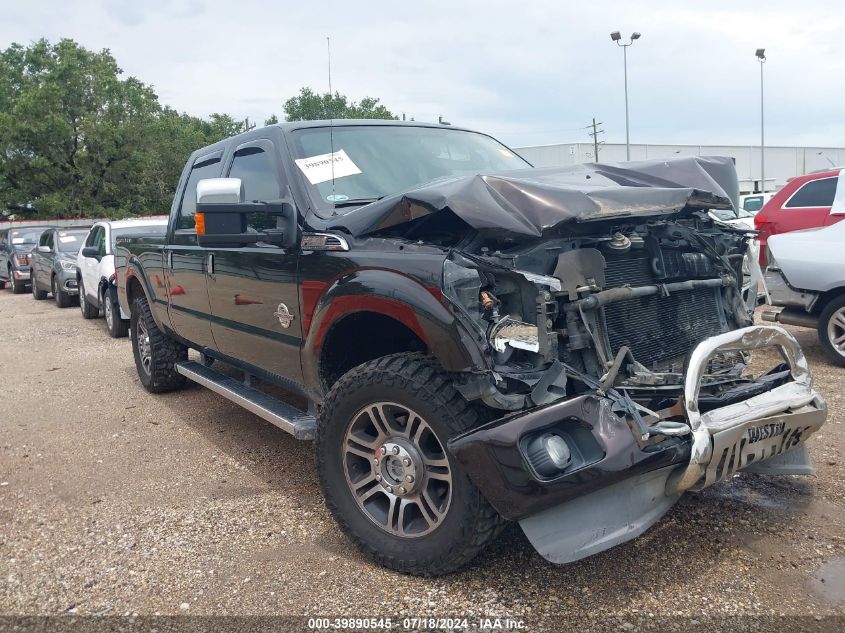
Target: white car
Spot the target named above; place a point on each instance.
(806, 276)
(95, 269)
(751, 203)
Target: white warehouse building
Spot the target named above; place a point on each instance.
(782, 163)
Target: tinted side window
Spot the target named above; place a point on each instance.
(256, 169)
(92, 237)
(816, 193)
(200, 171)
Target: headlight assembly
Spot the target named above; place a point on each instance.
(515, 333)
(67, 265)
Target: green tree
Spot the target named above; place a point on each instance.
(69, 128)
(77, 139)
(310, 106)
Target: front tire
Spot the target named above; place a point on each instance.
(117, 327)
(88, 311)
(385, 472)
(62, 298)
(156, 354)
(831, 329)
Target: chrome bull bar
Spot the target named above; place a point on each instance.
(730, 438)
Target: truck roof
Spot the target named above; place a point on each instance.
(289, 126)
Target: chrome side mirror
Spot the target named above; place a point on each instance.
(220, 191)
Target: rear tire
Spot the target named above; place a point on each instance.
(61, 297)
(156, 354)
(831, 329)
(439, 521)
(88, 311)
(38, 295)
(117, 327)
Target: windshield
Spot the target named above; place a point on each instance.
(70, 242)
(24, 236)
(137, 231)
(378, 161)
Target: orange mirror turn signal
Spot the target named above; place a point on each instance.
(199, 223)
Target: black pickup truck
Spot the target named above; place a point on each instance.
(470, 340)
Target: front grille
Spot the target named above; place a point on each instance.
(659, 330)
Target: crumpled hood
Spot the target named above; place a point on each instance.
(530, 201)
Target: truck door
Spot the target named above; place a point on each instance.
(253, 291)
(185, 262)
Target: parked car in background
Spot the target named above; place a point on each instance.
(54, 264)
(95, 269)
(806, 277)
(805, 202)
(15, 258)
(751, 203)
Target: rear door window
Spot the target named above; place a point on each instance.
(816, 193)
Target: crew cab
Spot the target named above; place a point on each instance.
(469, 339)
(95, 270)
(805, 202)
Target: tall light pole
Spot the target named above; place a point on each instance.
(761, 57)
(616, 37)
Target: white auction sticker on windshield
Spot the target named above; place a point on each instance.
(66, 238)
(17, 240)
(325, 167)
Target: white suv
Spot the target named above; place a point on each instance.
(95, 269)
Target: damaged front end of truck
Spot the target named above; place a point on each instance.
(619, 344)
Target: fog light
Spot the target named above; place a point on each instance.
(549, 454)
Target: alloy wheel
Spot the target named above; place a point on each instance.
(144, 348)
(836, 331)
(397, 470)
(108, 312)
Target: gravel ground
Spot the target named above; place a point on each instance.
(116, 502)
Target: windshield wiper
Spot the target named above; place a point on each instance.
(358, 202)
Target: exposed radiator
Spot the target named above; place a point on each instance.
(659, 330)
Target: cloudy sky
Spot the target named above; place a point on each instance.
(528, 71)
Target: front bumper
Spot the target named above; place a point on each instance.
(67, 281)
(590, 500)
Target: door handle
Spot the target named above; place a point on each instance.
(211, 264)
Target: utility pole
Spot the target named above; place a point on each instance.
(595, 134)
(761, 57)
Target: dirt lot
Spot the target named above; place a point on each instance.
(117, 502)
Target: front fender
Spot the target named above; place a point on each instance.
(419, 308)
(158, 307)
